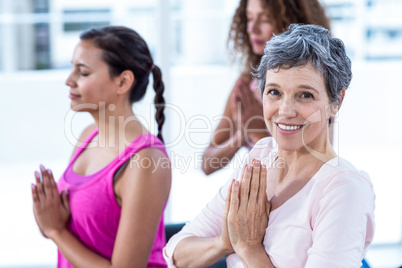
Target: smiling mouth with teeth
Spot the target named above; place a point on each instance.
(285, 127)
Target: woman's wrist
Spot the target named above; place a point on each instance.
(238, 139)
(256, 136)
(55, 234)
(254, 256)
(222, 246)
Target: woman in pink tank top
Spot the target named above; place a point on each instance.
(107, 208)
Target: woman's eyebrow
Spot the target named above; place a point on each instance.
(302, 86)
(80, 64)
(308, 87)
(272, 85)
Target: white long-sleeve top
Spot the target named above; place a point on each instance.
(328, 223)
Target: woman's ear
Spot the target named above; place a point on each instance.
(337, 105)
(342, 95)
(125, 81)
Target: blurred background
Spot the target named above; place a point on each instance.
(188, 41)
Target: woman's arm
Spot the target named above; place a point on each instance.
(226, 140)
(343, 222)
(199, 252)
(242, 124)
(143, 191)
(196, 251)
(202, 241)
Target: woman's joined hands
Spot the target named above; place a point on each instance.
(246, 211)
(51, 209)
(247, 112)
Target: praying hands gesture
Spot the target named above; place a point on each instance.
(247, 112)
(51, 209)
(246, 217)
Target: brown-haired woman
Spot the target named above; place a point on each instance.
(253, 24)
(107, 208)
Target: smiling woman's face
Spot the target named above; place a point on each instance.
(297, 108)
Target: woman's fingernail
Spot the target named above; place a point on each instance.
(37, 174)
(249, 168)
(49, 172)
(236, 183)
(42, 168)
(264, 168)
(257, 163)
(33, 186)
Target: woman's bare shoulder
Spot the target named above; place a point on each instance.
(84, 134)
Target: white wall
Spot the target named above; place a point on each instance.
(370, 137)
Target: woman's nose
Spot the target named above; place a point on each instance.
(287, 108)
(253, 26)
(70, 81)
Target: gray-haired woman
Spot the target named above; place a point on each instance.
(295, 203)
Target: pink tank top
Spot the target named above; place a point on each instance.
(95, 213)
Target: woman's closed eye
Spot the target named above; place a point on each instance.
(84, 74)
(264, 19)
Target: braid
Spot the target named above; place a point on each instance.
(159, 100)
(124, 49)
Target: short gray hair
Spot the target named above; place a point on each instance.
(304, 44)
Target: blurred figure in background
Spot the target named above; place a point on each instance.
(253, 24)
(107, 208)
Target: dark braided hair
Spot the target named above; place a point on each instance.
(282, 13)
(159, 100)
(124, 49)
